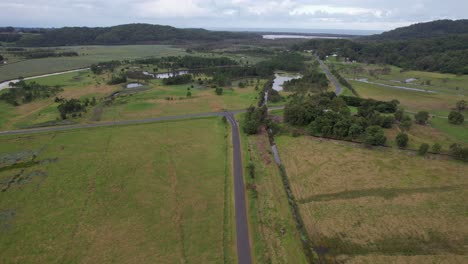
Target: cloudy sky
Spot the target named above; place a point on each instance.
(309, 14)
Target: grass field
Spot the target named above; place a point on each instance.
(88, 55)
(275, 237)
(136, 194)
(151, 102)
(154, 102)
(378, 206)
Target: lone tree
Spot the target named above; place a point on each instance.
(402, 140)
(456, 118)
(421, 117)
(460, 105)
(219, 91)
(423, 149)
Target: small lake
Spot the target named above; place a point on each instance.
(168, 74)
(281, 78)
(133, 85)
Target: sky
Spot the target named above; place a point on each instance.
(304, 14)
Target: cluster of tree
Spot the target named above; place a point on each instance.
(327, 115)
(126, 34)
(443, 52)
(178, 79)
(44, 53)
(116, 79)
(456, 118)
(379, 106)
(254, 118)
(312, 80)
(187, 62)
(25, 92)
(289, 61)
(103, 66)
(343, 81)
(73, 107)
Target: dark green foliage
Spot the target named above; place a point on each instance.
(103, 66)
(436, 148)
(423, 149)
(25, 92)
(189, 94)
(126, 34)
(456, 118)
(311, 81)
(406, 123)
(374, 136)
(116, 79)
(461, 105)
(421, 117)
(459, 152)
(219, 91)
(254, 118)
(274, 96)
(433, 29)
(188, 62)
(178, 79)
(380, 106)
(73, 106)
(285, 62)
(9, 37)
(1, 57)
(399, 114)
(343, 81)
(402, 140)
(44, 53)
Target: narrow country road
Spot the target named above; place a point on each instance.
(242, 227)
(330, 76)
(6, 84)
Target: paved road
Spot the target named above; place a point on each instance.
(242, 227)
(330, 76)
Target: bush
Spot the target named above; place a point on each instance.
(423, 149)
(456, 118)
(436, 148)
(421, 117)
(375, 136)
(402, 140)
(219, 91)
(458, 152)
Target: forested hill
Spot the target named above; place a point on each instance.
(124, 34)
(442, 49)
(434, 29)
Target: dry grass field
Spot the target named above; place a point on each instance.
(378, 206)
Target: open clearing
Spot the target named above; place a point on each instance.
(151, 193)
(275, 237)
(374, 206)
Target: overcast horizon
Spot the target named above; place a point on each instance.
(234, 14)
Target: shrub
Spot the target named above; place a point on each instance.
(375, 136)
(436, 148)
(402, 140)
(423, 149)
(421, 117)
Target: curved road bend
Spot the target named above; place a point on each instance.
(242, 227)
(330, 76)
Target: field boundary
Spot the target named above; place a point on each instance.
(306, 241)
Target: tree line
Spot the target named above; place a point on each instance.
(25, 92)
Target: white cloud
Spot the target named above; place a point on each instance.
(171, 8)
(332, 10)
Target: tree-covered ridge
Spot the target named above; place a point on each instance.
(445, 54)
(433, 29)
(125, 34)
